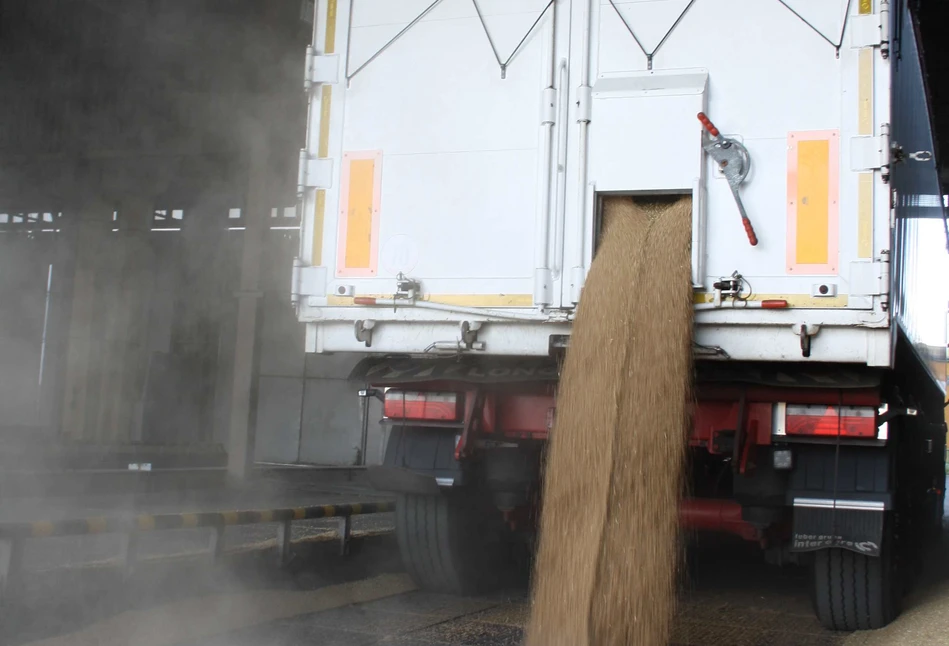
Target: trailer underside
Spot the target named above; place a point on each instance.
(838, 466)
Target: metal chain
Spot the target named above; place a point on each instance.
(649, 55)
(504, 64)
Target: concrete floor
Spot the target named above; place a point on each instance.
(732, 599)
(365, 599)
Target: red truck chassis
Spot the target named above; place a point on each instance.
(833, 465)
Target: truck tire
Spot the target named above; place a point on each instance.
(854, 591)
(450, 543)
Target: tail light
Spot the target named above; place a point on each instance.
(826, 421)
(435, 407)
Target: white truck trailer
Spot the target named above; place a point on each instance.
(456, 158)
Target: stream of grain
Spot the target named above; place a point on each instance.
(606, 566)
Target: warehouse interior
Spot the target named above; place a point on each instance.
(147, 231)
(148, 226)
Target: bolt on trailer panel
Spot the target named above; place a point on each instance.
(458, 150)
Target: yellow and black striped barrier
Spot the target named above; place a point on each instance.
(13, 535)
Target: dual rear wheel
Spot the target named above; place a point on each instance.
(854, 591)
(453, 542)
(456, 543)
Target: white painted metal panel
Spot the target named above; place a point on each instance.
(647, 117)
(486, 213)
(460, 144)
(459, 225)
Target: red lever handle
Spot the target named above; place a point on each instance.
(708, 124)
(750, 230)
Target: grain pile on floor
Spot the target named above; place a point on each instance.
(606, 565)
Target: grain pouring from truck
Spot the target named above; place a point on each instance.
(458, 157)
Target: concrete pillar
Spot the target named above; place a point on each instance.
(136, 290)
(56, 323)
(107, 357)
(125, 285)
(257, 205)
(199, 312)
(80, 406)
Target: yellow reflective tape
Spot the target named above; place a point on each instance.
(330, 46)
(97, 525)
(329, 511)
(865, 215)
(230, 517)
(866, 7)
(266, 516)
(865, 127)
(189, 520)
(326, 102)
(813, 192)
(299, 513)
(319, 217)
(865, 92)
(465, 300)
(359, 211)
(794, 300)
(357, 508)
(145, 523)
(323, 147)
(42, 528)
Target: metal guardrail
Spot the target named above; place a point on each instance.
(13, 535)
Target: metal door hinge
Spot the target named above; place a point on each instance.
(307, 281)
(314, 172)
(584, 104)
(872, 30)
(548, 112)
(320, 69)
(870, 153)
(866, 30)
(869, 278)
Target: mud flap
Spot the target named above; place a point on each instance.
(855, 525)
(395, 479)
(418, 460)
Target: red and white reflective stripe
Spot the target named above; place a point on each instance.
(830, 421)
(443, 407)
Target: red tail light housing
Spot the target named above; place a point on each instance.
(830, 421)
(423, 406)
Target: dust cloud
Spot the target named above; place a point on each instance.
(119, 181)
(608, 555)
